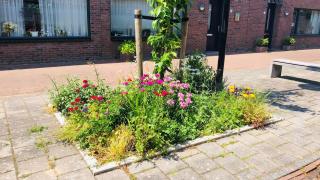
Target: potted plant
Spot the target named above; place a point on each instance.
(32, 11)
(288, 43)
(262, 44)
(8, 28)
(127, 50)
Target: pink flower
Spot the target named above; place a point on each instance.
(171, 91)
(171, 102)
(157, 75)
(164, 93)
(183, 105)
(188, 100)
(189, 95)
(85, 85)
(159, 81)
(184, 86)
(125, 83)
(142, 90)
(167, 79)
(150, 83)
(124, 93)
(100, 98)
(181, 95)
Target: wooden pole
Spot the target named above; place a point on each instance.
(184, 36)
(138, 37)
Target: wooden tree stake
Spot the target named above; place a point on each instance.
(185, 29)
(138, 37)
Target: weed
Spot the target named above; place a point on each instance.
(37, 129)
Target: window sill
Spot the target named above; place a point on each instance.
(125, 38)
(306, 35)
(43, 39)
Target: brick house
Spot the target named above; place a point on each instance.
(81, 30)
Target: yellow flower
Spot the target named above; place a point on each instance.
(245, 95)
(252, 96)
(232, 89)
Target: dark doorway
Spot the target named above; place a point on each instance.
(269, 26)
(213, 24)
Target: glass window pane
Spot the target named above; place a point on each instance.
(308, 22)
(122, 17)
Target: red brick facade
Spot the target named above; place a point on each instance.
(241, 35)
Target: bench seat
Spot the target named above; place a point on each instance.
(277, 65)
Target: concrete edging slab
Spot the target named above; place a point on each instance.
(96, 169)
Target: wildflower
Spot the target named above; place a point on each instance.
(157, 75)
(150, 83)
(232, 89)
(167, 79)
(252, 95)
(70, 109)
(188, 100)
(85, 85)
(93, 97)
(159, 81)
(184, 86)
(85, 81)
(100, 98)
(183, 105)
(125, 83)
(142, 90)
(156, 93)
(189, 95)
(164, 93)
(181, 96)
(76, 108)
(171, 91)
(171, 102)
(77, 100)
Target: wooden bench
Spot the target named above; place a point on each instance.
(278, 63)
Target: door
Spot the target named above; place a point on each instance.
(269, 26)
(213, 25)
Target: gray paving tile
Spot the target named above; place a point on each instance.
(32, 166)
(241, 150)
(152, 174)
(201, 163)
(28, 152)
(232, 163)
(261, 163)
(211, 149)
(8, 175)
(141, 166)
(170, 164)
(218, 174)
(82, 174)
(6, 164)
(187, 152)
(44, 175)
(185, 174)
(69, 164)
(5, 147)
(61, 150)
(113, 175)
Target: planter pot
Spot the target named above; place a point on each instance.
(34, 33)
(287, 47)
(127, 58)
(261, 49)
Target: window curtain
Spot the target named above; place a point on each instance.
(69, 16)
(122, 16)
(315, 22)
(11, 11)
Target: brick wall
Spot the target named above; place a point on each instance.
(283, 24)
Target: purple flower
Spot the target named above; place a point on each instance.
(171, 102)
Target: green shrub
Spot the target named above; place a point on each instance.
(196, 71)
(127, 48)
(262, 42)
(289, 41)
(150, 114)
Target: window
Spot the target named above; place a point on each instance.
(306, 22)
(43, 18)
(122, 17)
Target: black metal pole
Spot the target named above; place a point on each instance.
(223, 31)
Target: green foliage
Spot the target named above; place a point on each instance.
(196, 71)
(289, 41)
(37, 129)
(166, 41)
(150, 114)
(263, 42)
(128, 48)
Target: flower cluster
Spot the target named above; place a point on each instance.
(9, 27)
(246, 92)
(75, 104)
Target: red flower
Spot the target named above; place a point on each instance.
(77, 100)
(99, 98)
(70, 109)
(85, 85)
(156, 93)
(76, 108)
(94, 98)
(85, 81)
(73, 103)
(164, 93)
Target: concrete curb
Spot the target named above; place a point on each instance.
(96, 169)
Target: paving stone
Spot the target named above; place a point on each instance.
(28, 152)
(248, 139)
(261, 163)
(69, 164)
(211, 149)
(294, 150)
(32, 166)
(5, 147)
(6, 164)
(61, 150)
(232, 163)
(152, 174)
(141, 166)
(113, 175)
(8, 175)
(250, 173)
(276, 141)
(312, 147)
(296, 139)
(185, 174)
(82, 174)
(187, 152)
(285, 159)
(23, 141)
(170, 164)
(218, 174)
(45, 175)
(241, 150)
(267, 150)
(201, 163)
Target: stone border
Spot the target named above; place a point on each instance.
(93, 163)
